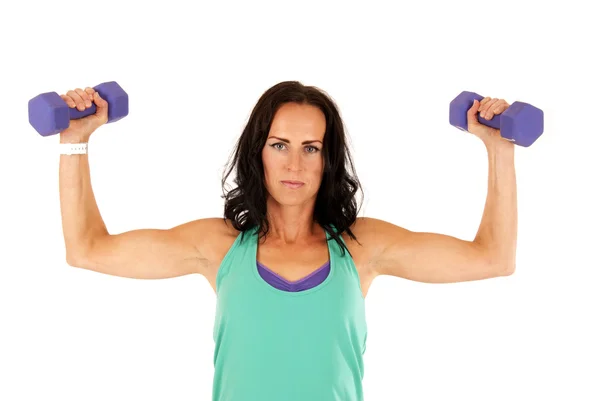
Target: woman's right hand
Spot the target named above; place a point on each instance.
(80, 130)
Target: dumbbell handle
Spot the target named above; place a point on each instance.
(75, 114)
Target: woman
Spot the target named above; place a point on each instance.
(290, 262)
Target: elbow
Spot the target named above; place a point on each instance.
(79, 255)
(509, 264)
(499, 264)
(74, 259)
(508, 270)
(505, 270)
(498, 269)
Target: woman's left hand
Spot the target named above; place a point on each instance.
(487, 109)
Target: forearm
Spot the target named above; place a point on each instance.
(497, 233)
(81, 219)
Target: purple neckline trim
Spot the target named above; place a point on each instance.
(305, 283)
(297, 281)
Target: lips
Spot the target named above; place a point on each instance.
(292, 184)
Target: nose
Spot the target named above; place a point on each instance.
(294, 161)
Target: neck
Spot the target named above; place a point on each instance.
(290, 225)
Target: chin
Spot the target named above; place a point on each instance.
(290, 200)
(293, 198)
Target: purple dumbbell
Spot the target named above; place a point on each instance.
(521, 123)
(50, 115)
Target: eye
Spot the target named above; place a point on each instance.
(315, 149)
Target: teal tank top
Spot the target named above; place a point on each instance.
(274, 345)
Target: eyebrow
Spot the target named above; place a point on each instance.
(287, 140)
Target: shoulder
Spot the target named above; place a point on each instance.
(374, 231)
(373, 236)
(217, 233)
(211, 237)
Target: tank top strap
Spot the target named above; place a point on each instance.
(239, 254)
(343, 260)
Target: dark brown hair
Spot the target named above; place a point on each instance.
(246, 204)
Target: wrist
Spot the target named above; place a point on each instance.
(74, 139)
(73, 148)
(500, 147)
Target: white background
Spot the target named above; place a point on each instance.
(193, 72)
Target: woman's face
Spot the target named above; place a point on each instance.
(293, 152)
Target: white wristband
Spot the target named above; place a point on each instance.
(73, 148)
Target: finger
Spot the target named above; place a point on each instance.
(85, 97)
(483, 101)
(70, 102)
(485, 110)
(77, 99)
(500, 107)
(487, 104)
(496, 108)
(90, 92)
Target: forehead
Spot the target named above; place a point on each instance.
(294, 119)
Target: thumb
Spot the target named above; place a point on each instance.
(101, 105)
(472, 113)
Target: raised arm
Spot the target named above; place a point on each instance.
(144, 253)
(438, 258)
(149, 253)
